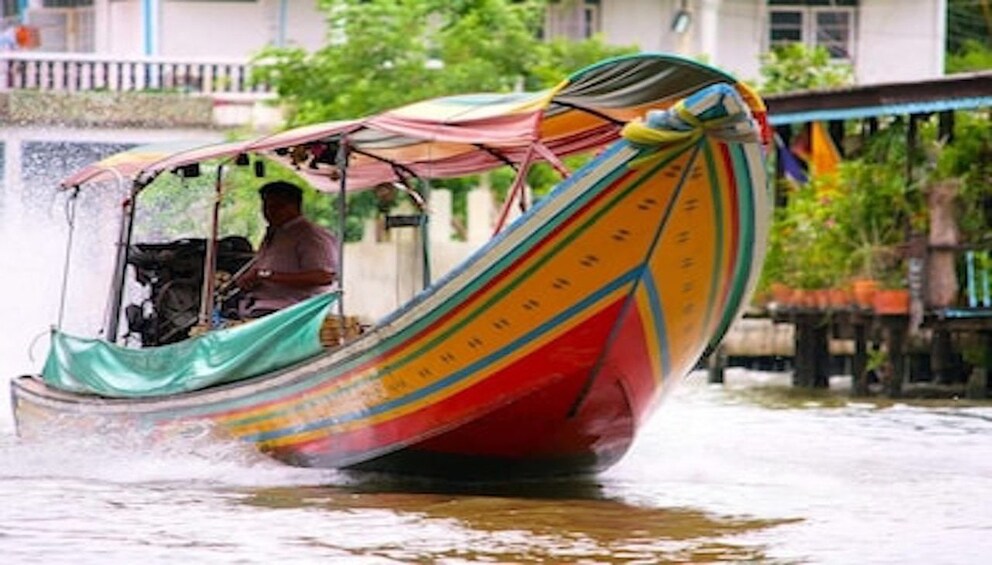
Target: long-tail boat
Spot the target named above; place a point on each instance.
(543, 353)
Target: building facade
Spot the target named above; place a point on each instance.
(168, 28)
(886, 40)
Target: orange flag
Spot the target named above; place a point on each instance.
(824, 155)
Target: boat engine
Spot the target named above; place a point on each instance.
(173, 274)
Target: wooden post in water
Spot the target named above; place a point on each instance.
(941, 264)
(859, 363)
(895, 342)
(812, 353)
(716, 363)
(978, 380)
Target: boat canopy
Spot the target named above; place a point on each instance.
(451, 136)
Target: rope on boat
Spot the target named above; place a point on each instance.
(726, 112)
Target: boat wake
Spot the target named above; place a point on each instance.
(109, 458)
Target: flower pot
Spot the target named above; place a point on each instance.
(894, 301)
(781, 293)
(803, 298)
(840, 298)
(864, 292)
(821, 298)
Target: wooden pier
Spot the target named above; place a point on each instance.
(883, 352)
(941, 337)
(887, 346)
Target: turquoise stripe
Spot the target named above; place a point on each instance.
(149, 20)
(742, 270)
(874, 111)
(658, 313)
(412, 330)
(716, 193)
(663, 222)
(405, 335)
(645, 176)
(458, 298)
(475, 368)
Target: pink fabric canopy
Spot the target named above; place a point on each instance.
(451, 136)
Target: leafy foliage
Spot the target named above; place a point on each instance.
(973, 56)
(968, 21)
(187, 202)
(969, 158)
(827, 236)
(796, 67)
(382, 54)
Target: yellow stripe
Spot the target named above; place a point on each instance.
(651, 332)
(307, 416)
(683, 267)
(640, 222)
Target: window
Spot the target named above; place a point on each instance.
(66, 3)
(9, 8)
(827, 23)
(572, 20)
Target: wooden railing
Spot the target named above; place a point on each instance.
(74, 72)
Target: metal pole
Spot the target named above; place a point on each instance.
(341, 161)
(71, 217)
(120, 262)
(425, 231)
(210, 257)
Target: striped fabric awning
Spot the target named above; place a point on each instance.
(457, 135)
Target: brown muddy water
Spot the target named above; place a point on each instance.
(747, 472)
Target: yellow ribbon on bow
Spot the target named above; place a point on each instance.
(639, 133)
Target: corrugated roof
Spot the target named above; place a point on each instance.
(923, 107)
(954, 92)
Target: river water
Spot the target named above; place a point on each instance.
(746, 472)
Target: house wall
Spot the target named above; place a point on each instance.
(896, 40)
(645, 23)
(738, 36)
(123, 22)
(901, 40)
(214, 29)
(205, 29)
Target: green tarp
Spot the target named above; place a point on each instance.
(275, 341)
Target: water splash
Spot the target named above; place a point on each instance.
(123, 457)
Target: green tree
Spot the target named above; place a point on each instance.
(969, 159)
(973, 56)
(796, 67)
(382, 54)
(969, 25)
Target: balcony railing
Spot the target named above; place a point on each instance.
(73, 72)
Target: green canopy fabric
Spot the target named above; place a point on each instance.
(86, 365)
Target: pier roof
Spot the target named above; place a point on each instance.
(963, 91)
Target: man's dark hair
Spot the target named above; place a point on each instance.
(282, 191)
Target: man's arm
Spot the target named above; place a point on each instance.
(314, 277)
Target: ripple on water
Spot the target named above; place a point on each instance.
(731, 474)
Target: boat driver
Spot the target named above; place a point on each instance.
(296, 260)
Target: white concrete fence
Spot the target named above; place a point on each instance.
(75, 72)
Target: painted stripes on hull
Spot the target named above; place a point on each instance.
(620, 280)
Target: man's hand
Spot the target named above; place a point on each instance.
(248, 279)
